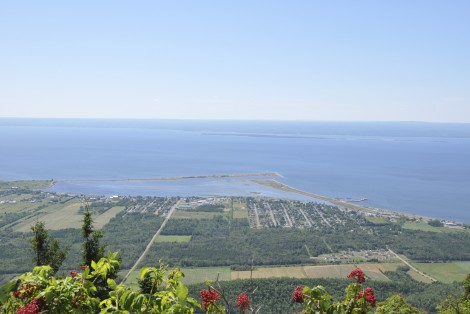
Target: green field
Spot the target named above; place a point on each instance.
(191, 275)
(173, 239)
(201, 274)
(373, 271)
(105, 217)
(425, 227)
(180, 214)
(445, 272)
(376, 220)
(28, 185)
(271, 272)
(239, 210)
(58, 216)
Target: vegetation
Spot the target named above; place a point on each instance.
(435, 223)
(92, 249)
(223, 244)
(46, 250)
(161, 291)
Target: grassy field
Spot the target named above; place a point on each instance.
(105, 217)
(173, 239)
(377, 220)
(201, 274)
(179, 214)
(271, 272)
(240, 210)
(33, 184)
(19, 206)
(425, 227)
(191, 275)
(62, 216)
(445, 272)
(372, 271)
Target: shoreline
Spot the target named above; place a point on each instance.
(364, 209)
(272, 183)
(175, 178)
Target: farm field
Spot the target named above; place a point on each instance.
(239, 210)
(173, 239)
(62, 218)
(445, 272)
(421, 226)
(191, 275)
(56, 216)
(105, 217)
(27, 184)
(271, 272)
(180, 214)
(372, 271)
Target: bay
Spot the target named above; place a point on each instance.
(420, 168)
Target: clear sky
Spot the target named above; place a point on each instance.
(307, 60)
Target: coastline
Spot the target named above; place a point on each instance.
(364, 209)
(175, 178)
(271, 183)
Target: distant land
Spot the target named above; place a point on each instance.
(413, 167)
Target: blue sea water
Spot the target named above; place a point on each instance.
(421, 168)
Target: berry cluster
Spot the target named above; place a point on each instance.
(24, 291)
(358, 274)
(33, 307)
(298, 295)
(208, 296)
(369, 294)
(243, 302)
(73, 273)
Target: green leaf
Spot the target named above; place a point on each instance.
(181, 292)
(137, 304)
(144, 272)
(111, 283)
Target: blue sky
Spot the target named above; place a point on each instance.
(276, 60)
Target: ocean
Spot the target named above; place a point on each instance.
(420, 168)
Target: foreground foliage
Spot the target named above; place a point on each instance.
(163, 292)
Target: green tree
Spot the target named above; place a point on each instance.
(46, 249)
(92, 249)
(435, 223)
(396, 304)
(456, 305)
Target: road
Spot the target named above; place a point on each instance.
(412, 267)
(149, 245)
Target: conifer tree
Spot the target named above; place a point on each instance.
(92, 249)
(46, 249)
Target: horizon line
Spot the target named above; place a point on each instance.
(232, 120)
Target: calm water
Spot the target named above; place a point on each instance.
(414, 167)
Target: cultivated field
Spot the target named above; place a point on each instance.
(425, 227)
(445, 272)
(56, 216)
(239, 210)
(372, 271)
(105, 217)
(271, 272)
(201, 274)
(29, 185)
(172, 239)
(181, 214)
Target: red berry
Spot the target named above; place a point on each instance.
(298, 295)
(243, 302)
(358, 274)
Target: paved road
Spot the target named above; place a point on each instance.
(412, 267)
(149, 245)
